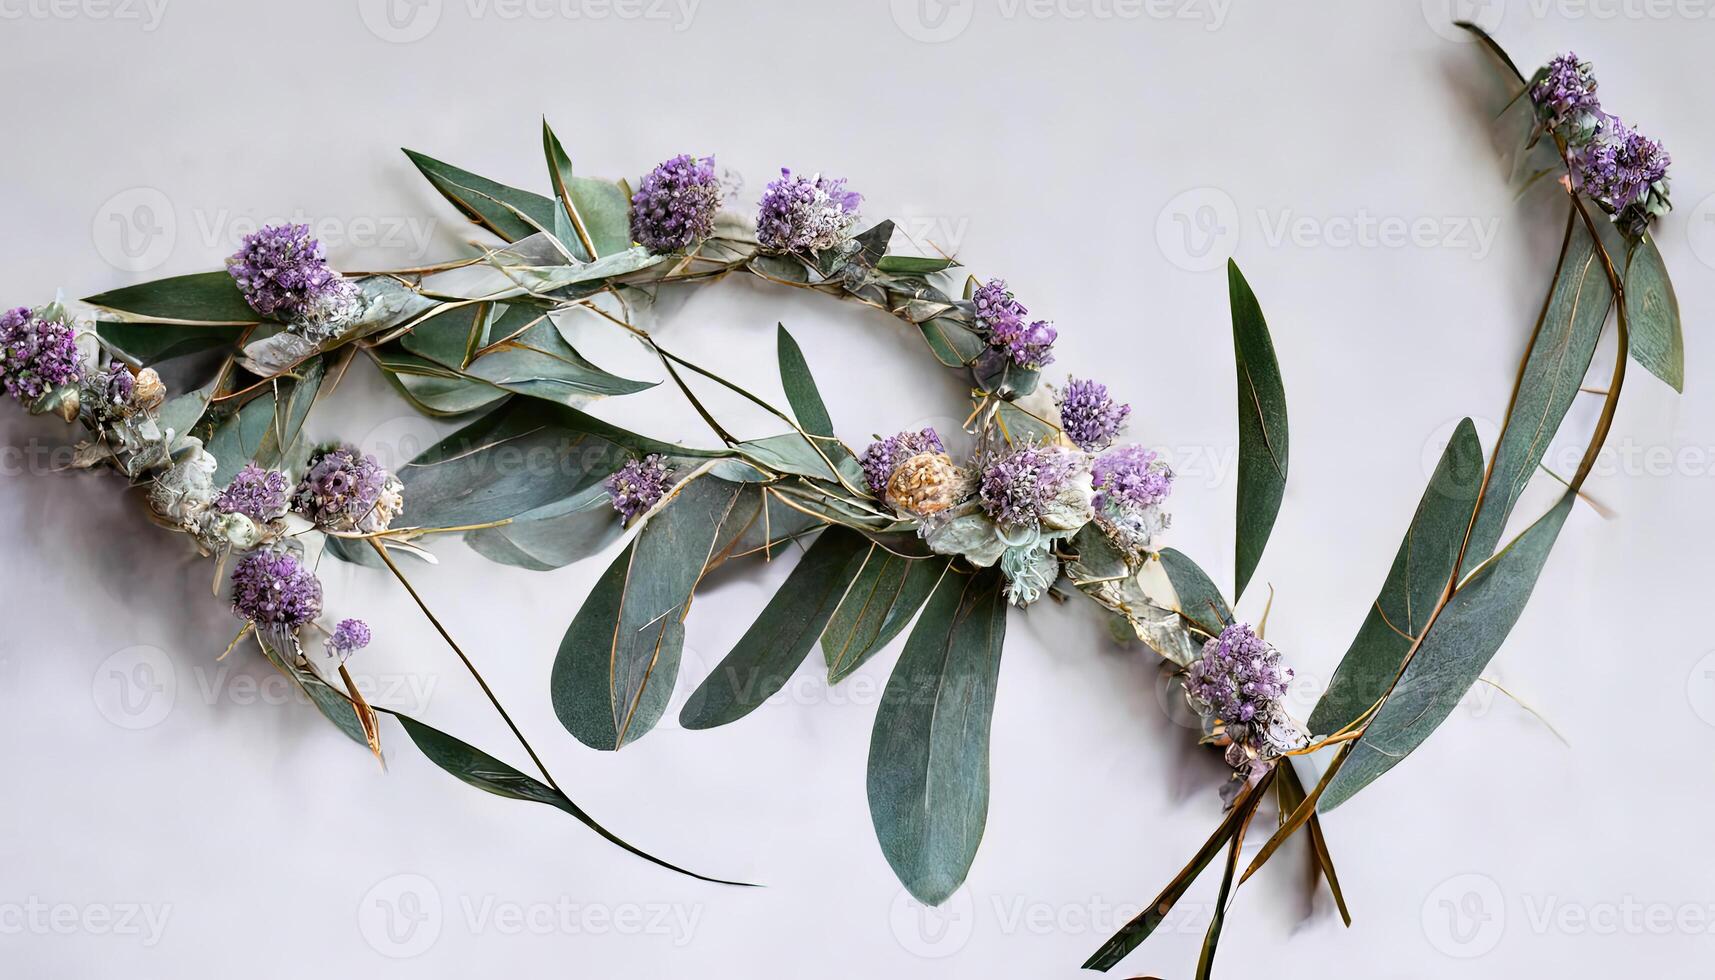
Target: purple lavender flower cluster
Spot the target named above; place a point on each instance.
(1005, 323)
(37, 353)
(350, 636)
(1088, 416)
(273, 589)
(1018, 487)
(1622, 170)
(259, 494)
(884, 456)
(1131, 484)
(344, 489)
(1239, 679)
(282, 272)
(805, 214)
(676, 204)
(639, 485)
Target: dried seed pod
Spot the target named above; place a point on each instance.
(927, 483)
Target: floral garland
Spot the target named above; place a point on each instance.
(1048, 500)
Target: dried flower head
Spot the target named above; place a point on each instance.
(1626, 172)
(1088, 416)
(1240, 682)
(1564, 95)
(345, 490)
(1019, 487)
(805, 214)
(272, 588)
(350, 636)
(639, 485)
(676, 204)
(149, 391)
(1005, 323)
(37, 353)
(1131, 483)
(927, 483)
(282, 272)
(259, 494)
(884, 456)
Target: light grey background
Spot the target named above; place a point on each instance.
(1101, 155)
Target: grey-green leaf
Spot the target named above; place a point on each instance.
(1420, 574)
(1459, 645)
(801, 391)
(887, 592)
(485, 206)
(202, 297)
(1262, 428)
(1560, 352)
(615, 668)
(779, 640)
(928, 778)
(1199, 600)
(1652, 316)
(475, 767)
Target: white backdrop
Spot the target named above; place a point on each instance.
(172, 816)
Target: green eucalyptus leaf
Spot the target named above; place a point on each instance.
(616, 665)
(209, 298)
(1199, 599)
(492, 205)
(477, 768)
(913, 265)
(1451, 657)
(779, 640)
(1262, 428)
(1420, 573)
(953, 343)
(530, 357)
(334, 705)
(1560, 353)
(883, 598)
(553, 536)
(801, 391)
(1652, 316)
(928, 779)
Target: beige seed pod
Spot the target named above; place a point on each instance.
(927, 483)
(149, 391)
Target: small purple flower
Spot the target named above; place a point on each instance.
(272, 588)
(884, 456)
(350, 636)
(282, 272)
(805, 214)
(1239, 679)
(1626, 172)
(346, 490)
(639, 485)
(1564, 94)
(1006, 325)
(676, 204)
(259, 494)
(36, 354)
(1018, 487)
(1131, 484)
(1088, 416)
(117, 384)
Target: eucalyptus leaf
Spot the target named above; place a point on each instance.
(1652, 315)
(550, 537)
(476, 768)
(881, 602)
(928, 779)
(207, 298)
(616, 665)
(801, 391)
(479, 199)
(1451, 657)
(334, 705)
(914, 265)
(1420, 574)
(1263, 443)
(782, 636)
(1199, 600)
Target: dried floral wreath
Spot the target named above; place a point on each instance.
(905, 533)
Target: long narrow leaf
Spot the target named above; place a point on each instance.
(1263, 439)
